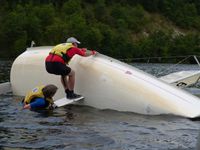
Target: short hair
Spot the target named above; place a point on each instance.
(49, 90)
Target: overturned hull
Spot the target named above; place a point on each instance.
(106, 83)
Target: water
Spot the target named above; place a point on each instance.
(85, 128)
(5, 70)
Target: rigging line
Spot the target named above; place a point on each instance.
(197, 56)
(175, 65)
(196, 60)
(154, 57)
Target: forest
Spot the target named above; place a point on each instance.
(123, 29)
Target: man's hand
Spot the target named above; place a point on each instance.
(93, 52)
(27, 106)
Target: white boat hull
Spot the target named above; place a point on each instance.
(182, 79)
(106, 83)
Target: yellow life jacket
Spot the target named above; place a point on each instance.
(36, 93)
(61, 50)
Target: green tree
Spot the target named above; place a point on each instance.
(185, 45)
(13, 30)
(155, 45)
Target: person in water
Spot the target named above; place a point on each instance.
(57, 63)
(40, 97)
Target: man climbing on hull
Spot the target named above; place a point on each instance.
(57, 63)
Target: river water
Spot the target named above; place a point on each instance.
(86, 128)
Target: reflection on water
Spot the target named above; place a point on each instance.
(84, 128)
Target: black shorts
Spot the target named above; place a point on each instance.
(57, 68)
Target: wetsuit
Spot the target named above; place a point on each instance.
(39, 103)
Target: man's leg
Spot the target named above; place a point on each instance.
(65, 85)
(64, 82)
(71, 82)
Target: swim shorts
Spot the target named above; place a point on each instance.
(57, 68)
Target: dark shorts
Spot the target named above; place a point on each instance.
(57, 68)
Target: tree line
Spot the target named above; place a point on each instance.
(123, 29)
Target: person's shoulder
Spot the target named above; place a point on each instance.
(75, 49)
(60, 44)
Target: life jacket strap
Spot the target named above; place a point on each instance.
(65, 57)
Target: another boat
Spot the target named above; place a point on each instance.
(106, 83)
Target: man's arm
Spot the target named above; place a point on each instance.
(80, 51)
(38, 103)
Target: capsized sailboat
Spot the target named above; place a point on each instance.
(106, 83)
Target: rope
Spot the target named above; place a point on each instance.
(197, 60)
(159, 57)
(148, 60)
(176, 64)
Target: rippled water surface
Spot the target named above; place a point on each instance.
(5, 66)
(85, 128)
